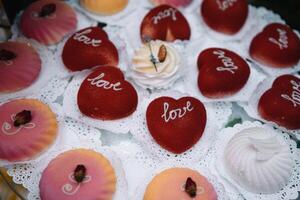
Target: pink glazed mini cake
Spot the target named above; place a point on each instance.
(20, 66)
(79, 174)
(48, 21)
(28, 127)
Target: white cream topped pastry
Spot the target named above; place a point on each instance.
(156, 65)
(259, 160)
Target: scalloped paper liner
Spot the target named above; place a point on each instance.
(191, 78)
(288, 192)
(120, 126)
(217, 115)
(251, 107)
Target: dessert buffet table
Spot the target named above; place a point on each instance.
(177, 99)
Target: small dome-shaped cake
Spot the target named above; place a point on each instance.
(28, 127)
(48, 21)
(175, 3)
(79, 174)
(259, 160)
(180, 183)
(20, 66)
(104, 7)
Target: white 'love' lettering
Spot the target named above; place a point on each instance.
(282, 41)
(228, 62)
(295, 97)
(81, 37)
(100, 83)
(171, 12)
(179, 112)
(224, 4)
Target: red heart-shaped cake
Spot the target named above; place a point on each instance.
(176, 125)
(222, 73)
(276, 46)
(106, 95)
(225, 16)
(165, 23)
(281, 103)
(88, 48)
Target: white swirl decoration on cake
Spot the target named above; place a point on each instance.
(259, 160)
(160, 75)
(73, 187)
(7, 128)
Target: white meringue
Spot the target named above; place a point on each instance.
(259, 160)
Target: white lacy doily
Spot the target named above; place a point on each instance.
(71, 109)
(112, 32)
(290, 191)
(191, 78)
(147, 178)
(46, 74)
(251, 107)
(74, 135)
(82, 22)
(217, 115)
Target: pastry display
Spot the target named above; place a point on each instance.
(106, 95)
(176, 125)
(259, 160)
(175, 3)
(222, 73)
(180, 183)
(156, 65)
(104, 7)
(88, 48)
(28, 127)
(48, 21)
(281, 103)
(20, 66)
(165, 23)
(225, 16)
(277, 46)
(78, 174)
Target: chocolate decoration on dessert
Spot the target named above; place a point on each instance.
(47, 10)
(101, 24)
(190, 187)
(79, 173)
(22, 118)
(162, 53)
(6, 55)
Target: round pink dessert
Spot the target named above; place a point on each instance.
(175, 3)
(78, 174)
(20, 66)
(28, 127)
(48, 21)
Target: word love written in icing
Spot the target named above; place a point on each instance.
(100, 83)
(176, 113)
(82, 37)
(295, 97)
(282, 41)
(73, 187)
(225, 4)
(7, 128)
(171, 12)
(228, 62)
